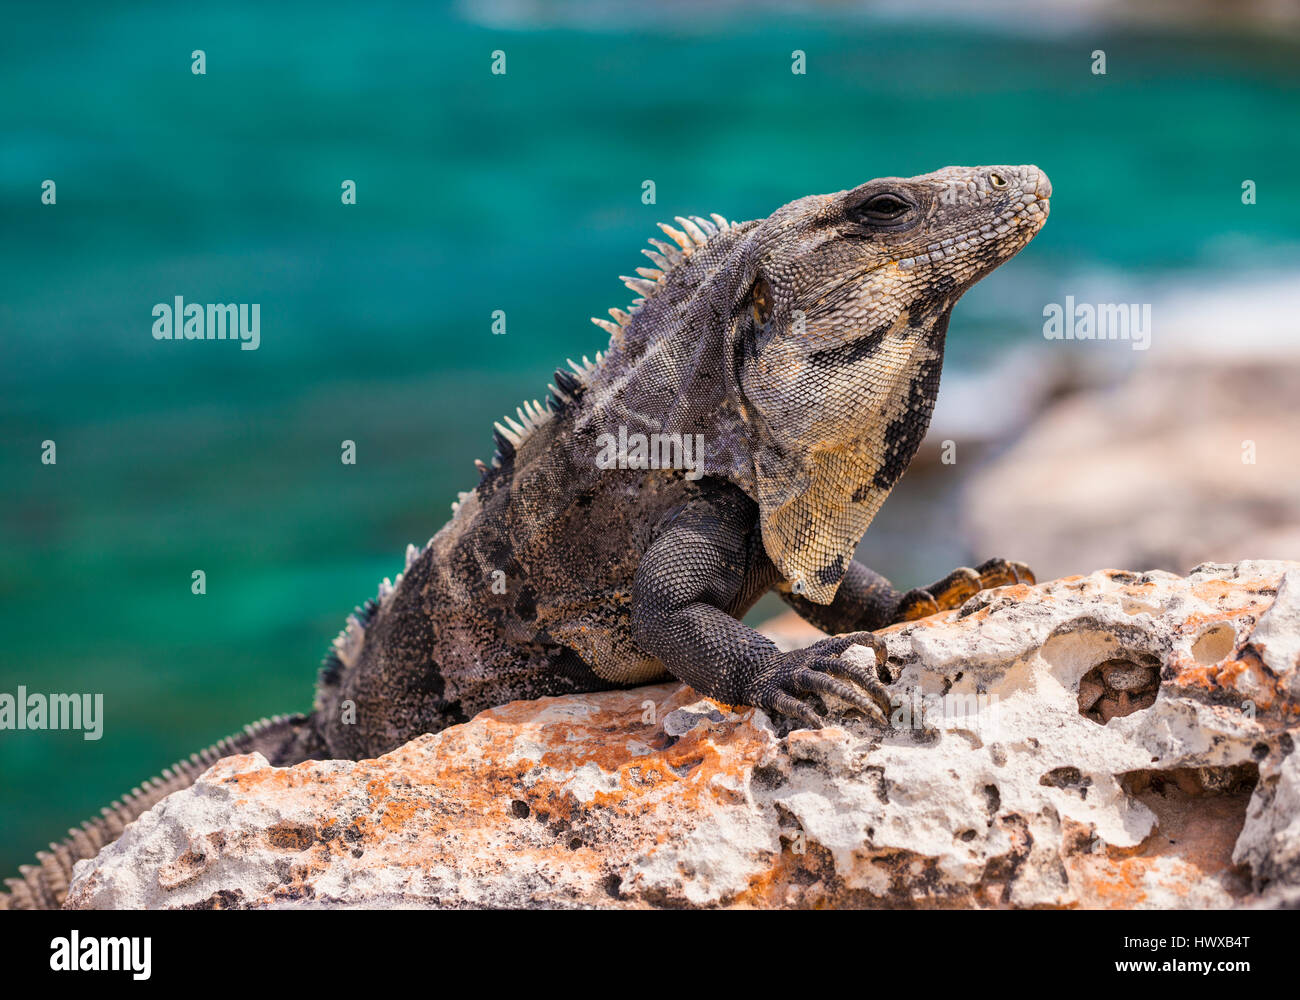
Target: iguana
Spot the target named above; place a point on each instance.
(752, 411)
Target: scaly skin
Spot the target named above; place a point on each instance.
(804, 351)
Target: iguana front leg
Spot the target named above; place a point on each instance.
(704, 565)
(866, 600)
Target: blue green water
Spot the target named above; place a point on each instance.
(476, 192)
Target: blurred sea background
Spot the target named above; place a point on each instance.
(478, 192)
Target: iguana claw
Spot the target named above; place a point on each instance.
(819, 669)
(959, 585)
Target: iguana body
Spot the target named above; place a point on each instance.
(794, 361)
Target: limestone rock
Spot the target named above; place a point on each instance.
(991, 788)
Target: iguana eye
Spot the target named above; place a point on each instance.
(882, 208)
(760, 299)
(997, 180)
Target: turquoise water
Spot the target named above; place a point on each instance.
(475, 193)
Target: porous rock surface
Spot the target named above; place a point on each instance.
(1111, 740)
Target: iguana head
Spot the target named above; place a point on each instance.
(837, 338)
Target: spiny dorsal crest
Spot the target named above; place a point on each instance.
(695, 232)
(568, 385)
(347, 644)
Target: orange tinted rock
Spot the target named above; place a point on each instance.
(990, 789)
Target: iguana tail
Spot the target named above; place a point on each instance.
(284, 739)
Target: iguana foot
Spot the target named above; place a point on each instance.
(962, 583)
(791, 678)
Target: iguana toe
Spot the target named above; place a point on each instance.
(1001, 572)
(961, 584)
(954, 589)
(918, 603)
